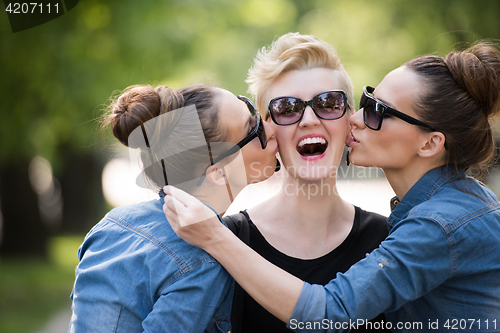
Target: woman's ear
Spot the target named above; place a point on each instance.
(215, 175)
(433, 145)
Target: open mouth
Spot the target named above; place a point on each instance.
(312, 146)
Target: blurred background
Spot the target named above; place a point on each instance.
(59, 174)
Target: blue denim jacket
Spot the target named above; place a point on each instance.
(438, 270)
(136, 275)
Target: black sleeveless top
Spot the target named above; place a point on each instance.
(368, 231)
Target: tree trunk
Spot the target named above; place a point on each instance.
(23, 232)
(82, 195)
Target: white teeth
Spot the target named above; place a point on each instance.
(311, 141)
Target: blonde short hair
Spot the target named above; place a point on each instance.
(289, 52)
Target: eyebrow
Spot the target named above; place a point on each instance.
(388, 104)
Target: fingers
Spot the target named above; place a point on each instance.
(173, 204)
(175, 210)
(181, 215)
(171, 218)
(185, 209)
(167, 189)
(183, 197)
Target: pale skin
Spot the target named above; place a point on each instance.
(405, 152)
(307, 224)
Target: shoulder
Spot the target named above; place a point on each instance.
(143, 219)
(134, 248)
(238, 219)
(457, 204)
(239, 225)
(370, 219)
(370, 216)
(371, 225)
(139, 212)
(141, 230)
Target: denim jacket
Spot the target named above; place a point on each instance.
(438, 270)
(136, 275)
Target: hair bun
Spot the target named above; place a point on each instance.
(137, 105)
(477, 69)
(169, 99)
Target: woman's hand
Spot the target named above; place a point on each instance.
(191, 219)
(272, 287)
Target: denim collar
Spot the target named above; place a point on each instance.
(421, 191)
(161, 194)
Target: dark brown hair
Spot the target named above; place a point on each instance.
(461, 94)
(136, 105)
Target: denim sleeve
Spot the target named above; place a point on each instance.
(200, 301)
(415, 258)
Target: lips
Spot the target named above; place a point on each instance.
(351, 139)
(312, 145)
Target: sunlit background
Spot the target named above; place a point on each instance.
(59, 174)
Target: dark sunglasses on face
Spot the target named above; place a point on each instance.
(374, 111)
(288, 110)
(257, 130)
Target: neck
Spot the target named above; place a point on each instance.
(218, 197)
(401, 180)
(306, 219)
(310, 202)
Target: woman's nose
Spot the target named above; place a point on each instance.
(309, 118)
(356, 119)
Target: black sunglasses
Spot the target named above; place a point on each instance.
(257, 130)
(328, 105)
(374, 111)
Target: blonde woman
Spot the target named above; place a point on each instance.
(307, 229)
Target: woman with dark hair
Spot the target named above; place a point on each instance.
(426, 124)
(135, 274)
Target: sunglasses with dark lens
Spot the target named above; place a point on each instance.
(374, 111)
(288, 110)
(257, 130)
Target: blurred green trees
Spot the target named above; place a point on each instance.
(55, 78)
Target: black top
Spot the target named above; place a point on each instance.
(368, 231)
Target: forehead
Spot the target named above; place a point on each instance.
(233, 114)
(399, 89)
(305, 83)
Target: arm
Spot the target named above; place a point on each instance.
(413, 260)
(273, 288)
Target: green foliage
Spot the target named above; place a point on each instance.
(57, 76)
(375, 37)
(32, 290)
